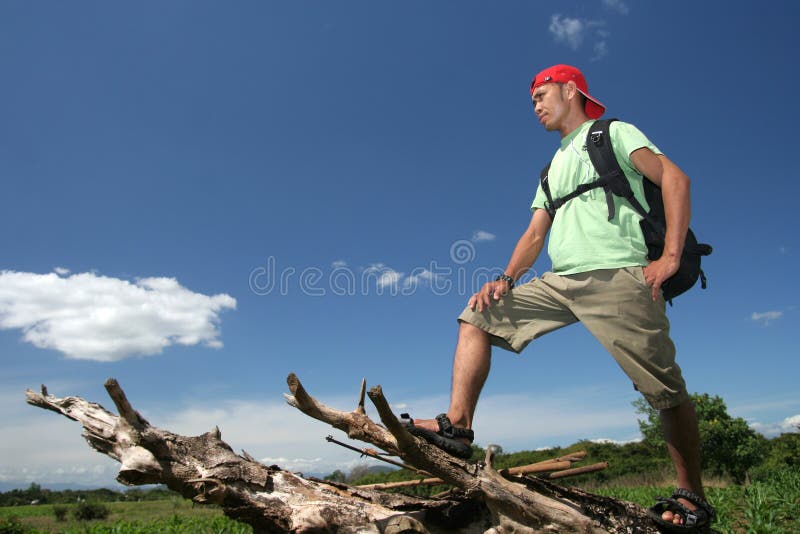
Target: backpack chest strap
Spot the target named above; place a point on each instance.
(609, 184)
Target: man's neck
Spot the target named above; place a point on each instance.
(572, 122)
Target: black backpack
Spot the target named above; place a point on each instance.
(653, 223)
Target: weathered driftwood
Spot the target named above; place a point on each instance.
(205, 469)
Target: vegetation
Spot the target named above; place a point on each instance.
(38, 495)
(756, 481)
(171, 516)
(86, 511)
(731, 450)
(762, 507)
(730, 447)
(60, 512)
(766, 506)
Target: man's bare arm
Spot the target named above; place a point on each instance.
(677, 208)
(525, 254)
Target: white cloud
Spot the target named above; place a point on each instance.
(617, 5)
(61, 271)
(521, 421)
(771, 430)
(568, 30)
(389, 278)
(339, 264)
(418, 277)
(600, 50)
(526, 421)
(766, 317)
(43, 447)
(481, 235)
(385, 277)
(572, 32)
(766, 403)
(92, 317)
(397, 282)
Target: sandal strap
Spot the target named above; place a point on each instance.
(702, 504)
(690, 517)
(672, 504)
(447, 429)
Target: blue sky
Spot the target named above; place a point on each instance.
(202, 197)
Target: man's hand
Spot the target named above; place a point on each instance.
(490, 291)
(657, 272)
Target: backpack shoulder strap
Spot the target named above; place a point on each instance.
(598, 145)
(545, 183)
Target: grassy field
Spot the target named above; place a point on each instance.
(173, 516)
(767, 507)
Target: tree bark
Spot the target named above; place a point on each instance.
(205, 469)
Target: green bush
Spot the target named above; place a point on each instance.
(11, 525)
(60, 512)
(729, 446)
(783, 454)
(86, 511)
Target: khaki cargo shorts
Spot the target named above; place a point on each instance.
(615, 305)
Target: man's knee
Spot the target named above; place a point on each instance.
(470, 332)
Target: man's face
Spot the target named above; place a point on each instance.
(550, 105)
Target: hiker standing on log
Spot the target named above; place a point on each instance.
(601, 277)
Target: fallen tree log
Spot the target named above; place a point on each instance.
(207, 470)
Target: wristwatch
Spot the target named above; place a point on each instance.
(505, 278)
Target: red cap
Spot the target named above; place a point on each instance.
(564, 73)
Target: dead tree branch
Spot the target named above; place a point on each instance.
(205, 469)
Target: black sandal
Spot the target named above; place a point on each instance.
(697, 520)
(447, 438)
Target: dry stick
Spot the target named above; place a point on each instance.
(443, 494)
(557, 464)
(360, 407)
(368, 452)
(403, 484)
(573, 456)
(578, 470)
(126, 411)
(563, 461)
(539, 467)
(525, 470)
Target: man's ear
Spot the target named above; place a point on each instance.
(572, 89)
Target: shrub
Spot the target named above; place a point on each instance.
(11, 525)
(60, 512)
(87, 511)
(728, 444)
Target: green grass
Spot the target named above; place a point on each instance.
(763, 507)
(173, 516)
(770, 506)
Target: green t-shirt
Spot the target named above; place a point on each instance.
(581, 237)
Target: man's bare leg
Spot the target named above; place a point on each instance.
(683, 443)
(473, 357)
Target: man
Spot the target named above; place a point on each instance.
(600, 277)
